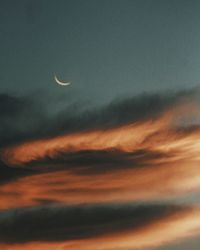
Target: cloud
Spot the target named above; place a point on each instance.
(20, 117)
(155, 179)
(128, 137)
(57, 223)
(118, 163)
(115, 226)
(67, 177)
(7, 174)
(25, 118)
(10, 105)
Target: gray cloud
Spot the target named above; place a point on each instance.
(58, 223)
(8, 174)
(95, 161)
(25, 118)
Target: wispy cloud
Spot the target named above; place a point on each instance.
(75, 178)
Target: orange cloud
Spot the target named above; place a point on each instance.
(155, 135)
(175, 170)
(126, 138)
(129, 184)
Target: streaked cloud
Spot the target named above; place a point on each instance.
(70, 187)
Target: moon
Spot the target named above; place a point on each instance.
(61, 82)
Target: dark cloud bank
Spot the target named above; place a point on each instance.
(23, 118)
(58, 223)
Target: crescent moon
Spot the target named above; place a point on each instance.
(61, 82)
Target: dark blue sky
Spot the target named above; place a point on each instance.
(107, 48)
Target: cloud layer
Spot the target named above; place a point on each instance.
(75, 178)
(112, 226)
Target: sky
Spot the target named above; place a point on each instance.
(106, 48)
(110, 162)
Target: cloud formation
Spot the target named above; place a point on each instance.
(75, 178)
(112, 226)
(25, 118)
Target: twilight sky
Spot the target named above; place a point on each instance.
(110, 162)
(106, 48)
